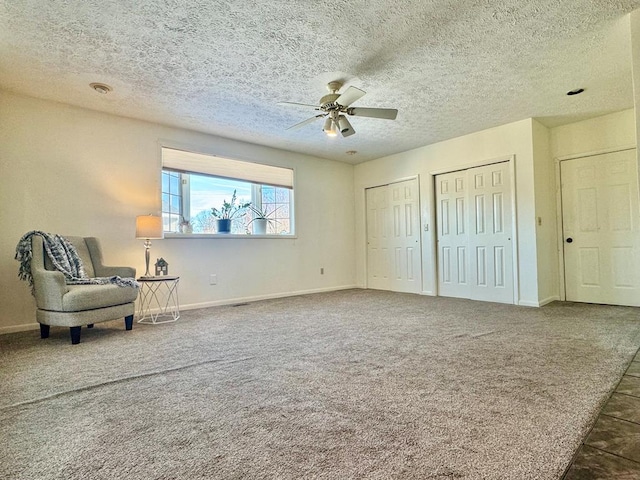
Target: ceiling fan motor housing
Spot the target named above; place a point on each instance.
(328, 102)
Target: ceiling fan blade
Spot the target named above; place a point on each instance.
(386, 113)
(305, 122)
(294, 104)
(349, 96)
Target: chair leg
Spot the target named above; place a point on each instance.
(75, 335)
(44, 331)
(90, 325)
(128, 322)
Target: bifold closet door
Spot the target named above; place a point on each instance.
(475, 234)
(378, 230)
(394, 260)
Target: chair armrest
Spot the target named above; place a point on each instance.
(49, 288)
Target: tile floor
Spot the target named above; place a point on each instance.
(612, 448)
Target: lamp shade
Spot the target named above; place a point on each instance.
(149, 226)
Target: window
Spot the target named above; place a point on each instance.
(193, 184)
(171, 201)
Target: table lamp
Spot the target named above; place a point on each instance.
(148, 227)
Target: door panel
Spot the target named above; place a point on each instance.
(451, 197)
(600, 217)
(493, 236)
(482, 237)
(377, 239)
(406, 240)
(393, 237)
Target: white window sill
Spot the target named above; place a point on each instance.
(226, 235)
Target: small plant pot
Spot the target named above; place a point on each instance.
(260, 226)
(223, 225)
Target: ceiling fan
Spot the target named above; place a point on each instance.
(335, 105)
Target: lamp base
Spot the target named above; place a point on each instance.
(147, 255)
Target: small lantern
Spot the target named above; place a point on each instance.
(162, 267)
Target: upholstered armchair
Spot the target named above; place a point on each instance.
(73, 306)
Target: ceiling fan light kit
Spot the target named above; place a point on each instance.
(335, 105)
(345, 127)
(329, 127)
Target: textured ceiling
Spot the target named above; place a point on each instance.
(221, 67)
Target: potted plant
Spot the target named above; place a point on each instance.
(261, 218)
(228, 212)
(185, 225)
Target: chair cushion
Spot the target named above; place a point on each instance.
(90, 297)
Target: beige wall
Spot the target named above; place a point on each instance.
(607, 132)
(546, 213)
(514, 139)
(78, 172)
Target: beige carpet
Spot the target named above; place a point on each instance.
(351, 384)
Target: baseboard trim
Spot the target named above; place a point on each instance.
(526, 303)
(539, 303)
(553, 298)
(20, 328)
(256, 298)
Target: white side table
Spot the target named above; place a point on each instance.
(158, 300)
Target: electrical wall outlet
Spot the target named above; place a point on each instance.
(213, 279)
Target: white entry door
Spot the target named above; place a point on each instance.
(475, 257)
(600, 228)
(394, 260)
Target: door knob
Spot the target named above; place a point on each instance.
(569, 240)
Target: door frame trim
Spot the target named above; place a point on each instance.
(511, 160)
(559, 209)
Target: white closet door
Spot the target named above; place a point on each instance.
(453, 235)
(475, 258)
(600, 228)
(378, 229)
(394, 259)
(490, 233)
(405, 221)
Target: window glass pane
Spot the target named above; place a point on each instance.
(165, 181)
(268, 194)
(173, 226)
(283, 227)
(175, 204)
(283, 211)
(165, 202)
(174, 184)
(282, 195)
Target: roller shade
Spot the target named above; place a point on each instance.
(189, 162)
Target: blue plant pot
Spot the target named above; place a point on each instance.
(223, 225)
